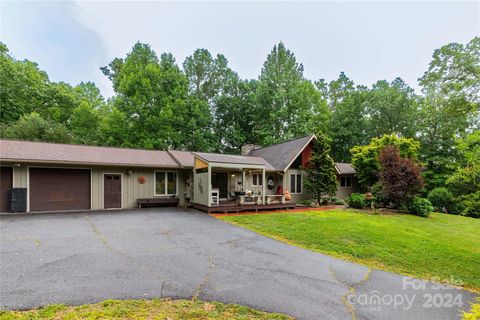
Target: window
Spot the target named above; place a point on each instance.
(296, 183)
(346, 182)
(257, 179)
(165, 183)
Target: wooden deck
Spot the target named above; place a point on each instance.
(231, 207)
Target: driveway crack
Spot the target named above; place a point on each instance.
(350, 291)
(208, 276)
(296, 275)
(103, 239)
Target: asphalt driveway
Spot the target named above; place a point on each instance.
(77, 258)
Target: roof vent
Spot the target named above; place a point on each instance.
(247, 148)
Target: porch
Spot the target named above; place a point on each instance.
(229, 207)
(225, 183)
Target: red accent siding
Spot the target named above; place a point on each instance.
(306, 154)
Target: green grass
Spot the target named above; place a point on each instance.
(444, 248)
(144, 309)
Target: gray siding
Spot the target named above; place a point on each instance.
(131, 188)
(296, 197)
(201, 188)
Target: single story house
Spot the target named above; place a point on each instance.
(39, 176)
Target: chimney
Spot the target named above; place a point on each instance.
(247, 148)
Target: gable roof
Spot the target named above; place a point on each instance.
(281, 155)
(45, 152)
(344, 168)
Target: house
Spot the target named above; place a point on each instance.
(39, 176)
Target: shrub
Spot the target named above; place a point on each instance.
(420, 207)
(440, 198)
(470, 204)
(335, 200)
(307, 202)
(400, 177)
(378, 199)
(357, 200)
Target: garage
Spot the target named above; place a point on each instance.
(53, 189)
(5, 184)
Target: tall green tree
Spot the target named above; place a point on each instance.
(286, 101)
(84, 124)
(348, 125)
(236, 124)
(336, 91)
(208, 77)
(451, 87)
(211, 80)
(23, 87)
(153, 94)
(392, 108)
(321, 179)
(465, 181)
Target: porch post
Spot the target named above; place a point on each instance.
(243, 179)
(263, 185)
(209, 185)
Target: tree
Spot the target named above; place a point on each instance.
(23, 87)
(33, 127)
(365, 158)
(392, 108)
(400, 178)
(321, 179)
(336, 91)
(89, 92)
(236, 124)
(451, 87)
(348, 125)
(285, 99)
(84, 124)
(465, 181)
(114, 129)
(208, 77)
(153, 94)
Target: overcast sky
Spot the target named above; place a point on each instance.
(369, 41)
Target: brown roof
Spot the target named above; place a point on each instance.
(23, 151)
(281, 155)
(228, 158)
(186, 159)
(344, 168)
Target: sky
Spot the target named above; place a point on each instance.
(369, 41)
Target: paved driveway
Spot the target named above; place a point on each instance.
(87, 257)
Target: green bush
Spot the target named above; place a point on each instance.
(306, 202)
(357, 200)
(420, 207)
(335, 200)
(470, 204)
(441, 199)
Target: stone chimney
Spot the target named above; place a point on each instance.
(247, 148)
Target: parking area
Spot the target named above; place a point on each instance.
(77, 258)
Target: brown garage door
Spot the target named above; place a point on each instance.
(59, 189)
(5, 185)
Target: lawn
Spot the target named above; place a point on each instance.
(442, 247)
(144, 309)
